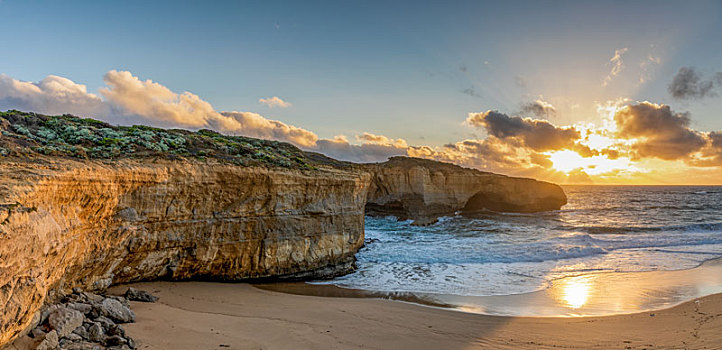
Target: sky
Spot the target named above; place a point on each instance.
(572, 92)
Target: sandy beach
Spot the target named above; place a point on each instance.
(205, 315)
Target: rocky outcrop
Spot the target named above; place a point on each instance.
(66, 223)
(88, 321)
(422, 190)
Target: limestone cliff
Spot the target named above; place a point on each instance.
(88, 224)
(412, 188)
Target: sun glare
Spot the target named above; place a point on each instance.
(575, 291)
(567, 161)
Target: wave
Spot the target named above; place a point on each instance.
(439, 246)
(691, 228)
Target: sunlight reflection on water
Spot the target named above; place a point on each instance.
(575, 291)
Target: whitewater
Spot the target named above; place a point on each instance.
(601, 229)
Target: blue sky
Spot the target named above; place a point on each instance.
(404, 69)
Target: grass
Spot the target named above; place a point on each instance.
(25, 134)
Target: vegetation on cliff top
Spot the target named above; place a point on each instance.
(27, 134)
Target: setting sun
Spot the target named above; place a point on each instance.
(567, 161)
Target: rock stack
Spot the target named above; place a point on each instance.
(87, 321)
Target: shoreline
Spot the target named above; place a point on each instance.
(204, 315)
(590, 294)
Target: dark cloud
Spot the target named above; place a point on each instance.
(471, 92)
(490, 153)
(539, 135)
(660, 132)
(712, 154)
(610, 153)
(539, 109)
(584, 150)
(689, 84)
(541, 160)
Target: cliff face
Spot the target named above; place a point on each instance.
(423, 190)
(88, 224)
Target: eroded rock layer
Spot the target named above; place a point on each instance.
(88, 224)
(422, 190)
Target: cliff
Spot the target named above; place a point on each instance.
(89, 224)
(423, 190)
(86, 204)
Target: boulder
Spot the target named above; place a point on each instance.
(50, 342)
(64, 320)
(116, 311)
(96, 333)
(140, 295)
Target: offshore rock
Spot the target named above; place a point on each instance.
(423, 190)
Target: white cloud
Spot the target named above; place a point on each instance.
(617, 65)
(275, 101)
(153, 101)
(255, 125)
(381, 140)
(52, 95)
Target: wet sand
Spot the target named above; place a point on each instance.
(595, 294)
(206, 315)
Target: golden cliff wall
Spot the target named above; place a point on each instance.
(412, 188)
(88, 224)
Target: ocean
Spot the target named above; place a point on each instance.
(601, 229)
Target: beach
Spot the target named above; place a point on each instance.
(208, 315)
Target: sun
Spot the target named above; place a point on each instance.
(567, 161)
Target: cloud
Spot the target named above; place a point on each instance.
(657, 131)
(579, 176)
(471, 92)
(341, 149)
(381, 140)
(617, 65)
(255, 125)
(129, 95)
(645, 65)
(539, 135)
(52, 95)
(712, 154)
(539, 108)
(274, 101)
(688, 84)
